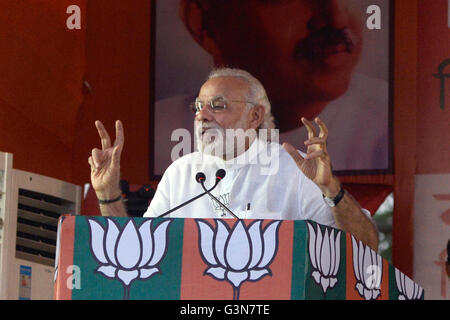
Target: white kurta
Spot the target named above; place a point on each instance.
(265, 178)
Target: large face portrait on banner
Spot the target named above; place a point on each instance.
(327, 59)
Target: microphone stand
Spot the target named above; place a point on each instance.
(221, 204)
(189, 201)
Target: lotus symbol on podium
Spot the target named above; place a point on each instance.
(368, 269)
(409, 290)
(240, 254)
(324, 254)
(128, 253)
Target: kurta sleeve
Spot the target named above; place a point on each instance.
(160, 202)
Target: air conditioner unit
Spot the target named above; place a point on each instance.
(30, 205)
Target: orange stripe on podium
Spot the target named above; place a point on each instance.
(351, 291)
(197, 286)
(62, 292)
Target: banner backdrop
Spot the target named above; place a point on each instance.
(313, 58)
(432, 181)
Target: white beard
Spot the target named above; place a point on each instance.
(220, 142)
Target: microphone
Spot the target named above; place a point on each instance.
(220, 174)
(199, 177)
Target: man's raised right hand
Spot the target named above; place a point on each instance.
(105, 163)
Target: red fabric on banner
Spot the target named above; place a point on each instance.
(42, 65)
(369, 196)
(405, 104)
(45, 120)
(433, 129)
(118, 70)
(432, 183)
(369, 191)
(91, 206)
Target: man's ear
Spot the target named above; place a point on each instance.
(193, 14)
(256, 116)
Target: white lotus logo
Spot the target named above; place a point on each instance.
(242, 254)
(225, 199)
(324, 254)
(409, 290)
(368, 268)
(128, 253)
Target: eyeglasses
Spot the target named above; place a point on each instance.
(216, 105)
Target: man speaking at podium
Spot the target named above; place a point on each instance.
(234, 131)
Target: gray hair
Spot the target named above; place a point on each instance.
(257, 92)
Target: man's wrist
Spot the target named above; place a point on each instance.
(106, 197)
(332, 189)
(110, 201)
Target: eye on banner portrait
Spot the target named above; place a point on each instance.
(313, 58)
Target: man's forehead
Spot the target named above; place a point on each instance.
(224, 87)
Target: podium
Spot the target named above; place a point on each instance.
(226, 259)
